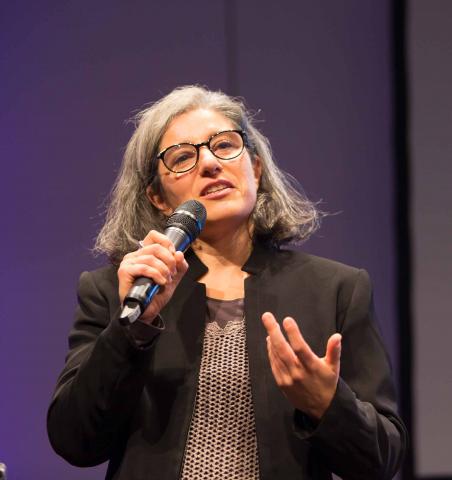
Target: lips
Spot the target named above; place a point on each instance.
(216, 186)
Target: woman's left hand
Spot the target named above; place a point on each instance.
(308, 381)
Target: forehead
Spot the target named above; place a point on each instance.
(195, 126)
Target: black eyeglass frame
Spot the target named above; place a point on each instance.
(204, 144)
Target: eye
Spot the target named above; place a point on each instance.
(226, 144)
(183, 157)
(180, 157)
(222, 144)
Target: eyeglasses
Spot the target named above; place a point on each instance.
(183, 157)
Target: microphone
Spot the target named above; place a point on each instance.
(182, 228)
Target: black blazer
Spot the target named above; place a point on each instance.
(132, 406)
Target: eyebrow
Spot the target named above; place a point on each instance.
(214, 132)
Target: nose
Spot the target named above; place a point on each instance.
(208, 163)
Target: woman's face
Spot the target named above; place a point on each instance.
(227, 188)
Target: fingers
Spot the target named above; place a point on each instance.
(279, 370)
(292, 351)
(298, 343)
(308, 381)
(157, 237)
(154, 262)
(167, 289)
(156, 259)
(280, 346)
(157, 251)
(159, 274)
(333, 351)
(153, 255)
(269, 321)
(181, 266)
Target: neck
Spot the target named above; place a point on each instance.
(231, 249)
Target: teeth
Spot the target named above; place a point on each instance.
(215, 189)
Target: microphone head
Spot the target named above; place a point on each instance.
(190, 216)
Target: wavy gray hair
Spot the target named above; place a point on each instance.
(282, 213)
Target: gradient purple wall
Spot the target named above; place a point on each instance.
(72, 73)
(429, 55)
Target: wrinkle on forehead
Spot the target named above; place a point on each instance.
(194, 126)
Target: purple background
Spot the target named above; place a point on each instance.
(429, 61)
(73, 72)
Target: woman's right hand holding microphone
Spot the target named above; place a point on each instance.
(157, 260)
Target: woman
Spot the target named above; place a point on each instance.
(206, 384)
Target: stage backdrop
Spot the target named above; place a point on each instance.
(318, 75)
(430, 69)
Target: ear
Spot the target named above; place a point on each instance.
(158, 200)
(257, 168)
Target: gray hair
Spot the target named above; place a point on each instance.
(282, 213)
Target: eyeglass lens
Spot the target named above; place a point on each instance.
(183, 157)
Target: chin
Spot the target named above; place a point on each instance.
(228, 208)
(226, 221)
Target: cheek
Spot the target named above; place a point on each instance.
(256, 184)
(257, 173)
(253, 181)
(177, 189)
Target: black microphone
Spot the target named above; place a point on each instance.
(182, 227)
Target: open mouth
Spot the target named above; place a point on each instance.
(215, 188)
(218, 188)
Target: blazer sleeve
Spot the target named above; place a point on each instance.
(360, 435)
(101, 383)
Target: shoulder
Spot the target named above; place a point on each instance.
(318, 277)
(102, 281)
(299, 262)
